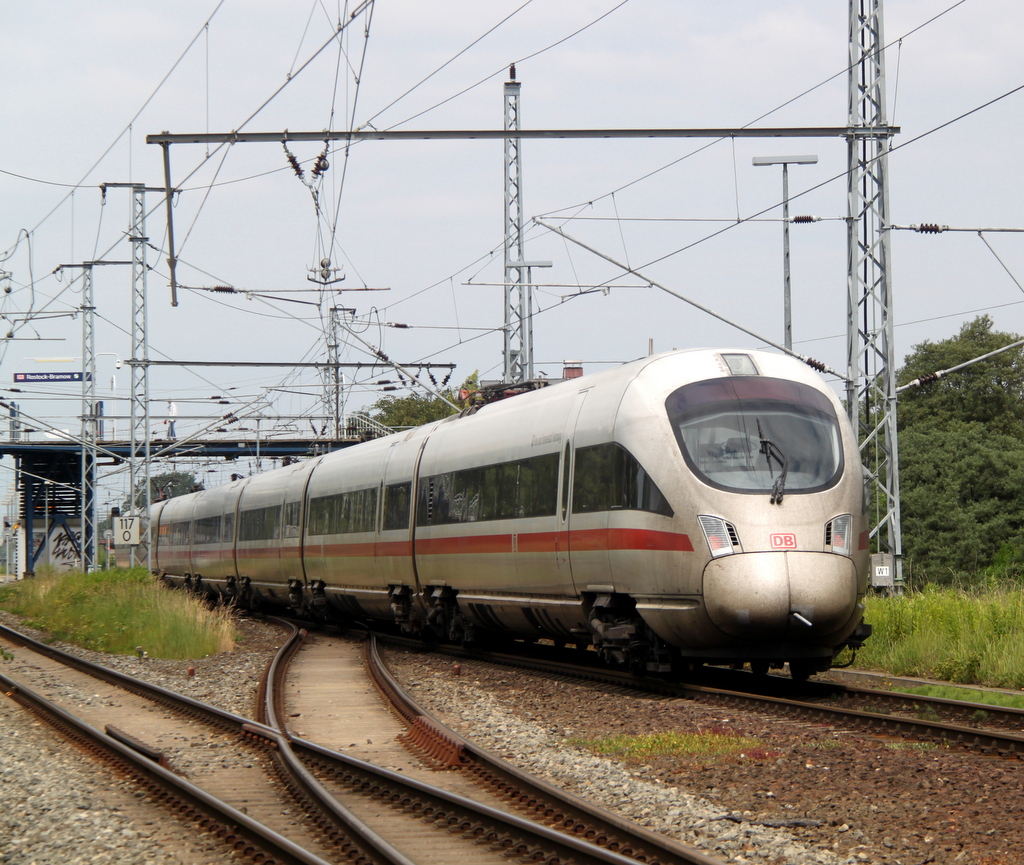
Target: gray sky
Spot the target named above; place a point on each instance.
(83, 84)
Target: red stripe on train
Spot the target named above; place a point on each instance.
(589, 540)
(581, 541)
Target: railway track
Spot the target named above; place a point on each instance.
(990, 730)
(336, 807)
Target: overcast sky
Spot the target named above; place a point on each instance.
(84, 84)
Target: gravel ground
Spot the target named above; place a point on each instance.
(800, 794)
(57, 810)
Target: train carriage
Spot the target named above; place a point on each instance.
(698, 506)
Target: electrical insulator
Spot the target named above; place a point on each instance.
(930, 228)
(801, 219)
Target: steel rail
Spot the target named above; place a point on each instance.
(560, 806)
(341, 827)
(297, 775)
(230, 826)
(985, 741)
(527, 837)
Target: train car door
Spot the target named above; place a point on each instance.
(394, 547)
(563, 538)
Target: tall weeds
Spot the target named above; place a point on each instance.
(971, 637)
(118, 611)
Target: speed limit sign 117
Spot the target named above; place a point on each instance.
(126, 531)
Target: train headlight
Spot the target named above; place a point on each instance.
(721, 537)
(837, 534)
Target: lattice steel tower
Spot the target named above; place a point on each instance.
(871, 367)
(141, 494)
(518, 313)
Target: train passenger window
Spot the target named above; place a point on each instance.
(260, 524)
(396, 506)
(608, 477)
(720, 424)
(521, 488)
(181, 533)
(207, 530)
(291, 520)
(538, 486)
(227, 532)
(343, 513)
(466, 490)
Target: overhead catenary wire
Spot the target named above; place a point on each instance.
(935, 376)
(253, 312)
(810, 361)
(582, 206)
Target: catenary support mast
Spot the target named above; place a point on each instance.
(141, 495)
(87, 543)
(871, 368)
(518, 352)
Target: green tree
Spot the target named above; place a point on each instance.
(166, 486)
(398, 412)
(962, 458)
(990, 392)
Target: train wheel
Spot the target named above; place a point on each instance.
(759, 668)
(800, 671)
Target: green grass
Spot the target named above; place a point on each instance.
(703, 743)
(118, 610)
(969, 637)
(969, 695)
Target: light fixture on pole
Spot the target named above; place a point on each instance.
(785, 162)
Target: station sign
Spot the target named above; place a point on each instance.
(22, 377)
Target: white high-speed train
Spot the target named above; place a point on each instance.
(702, 506)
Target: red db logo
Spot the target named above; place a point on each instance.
(783, 541)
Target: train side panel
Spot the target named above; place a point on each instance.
(174, 535)
(213, 536)
(343, 497)
(487, 517)
(268, 540)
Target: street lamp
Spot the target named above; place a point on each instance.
(785, 162)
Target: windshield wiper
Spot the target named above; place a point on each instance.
(773, 451)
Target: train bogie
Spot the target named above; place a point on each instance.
(702, 506)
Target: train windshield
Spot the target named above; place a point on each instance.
(722, 425)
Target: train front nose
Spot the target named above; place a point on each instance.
(794, 596)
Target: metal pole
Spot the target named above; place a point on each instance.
(333, 374)
(785, 162)
(46, 519)
(871, 391)
(786, 303)
(517, 347)
(172, 259)
(141, 494)
(87, 544)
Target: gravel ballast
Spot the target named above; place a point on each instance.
(806, 795)
(59, 809)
